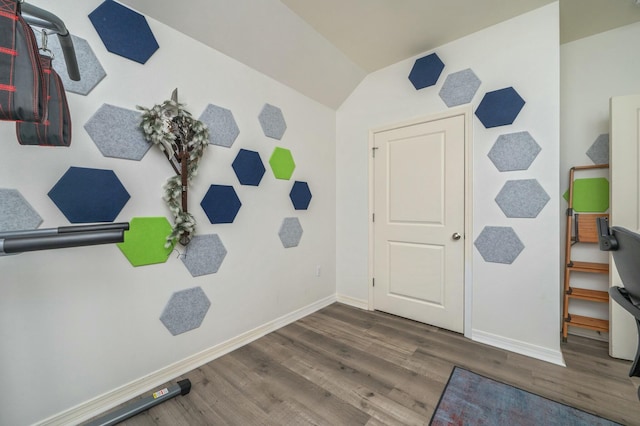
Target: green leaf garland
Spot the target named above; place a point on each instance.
(181, 138)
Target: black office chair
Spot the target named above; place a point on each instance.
(625, 246)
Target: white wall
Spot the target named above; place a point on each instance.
(515, 306)
(593, 70)
(77, 323)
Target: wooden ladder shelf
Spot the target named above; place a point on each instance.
(581, 228)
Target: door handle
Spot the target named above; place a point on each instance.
(456, 236)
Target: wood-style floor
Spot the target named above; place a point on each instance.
(346, 366)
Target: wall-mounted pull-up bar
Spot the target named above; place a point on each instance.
(44, 19)
(63, 237)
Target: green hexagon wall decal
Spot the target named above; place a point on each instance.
(590, 195)
(282, 163)
(144, 242)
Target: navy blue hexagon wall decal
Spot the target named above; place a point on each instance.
(300, 195)
(248, 167)
(123, 31)
(89, 195)
(221, 204)
(500, 107)
(426, 71)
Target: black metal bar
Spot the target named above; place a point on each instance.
(74, 239)
(64, 230)
(94, 227)
(35, 16)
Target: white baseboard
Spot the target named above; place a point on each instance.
(353, 301)
(517, 346)
(111, 399)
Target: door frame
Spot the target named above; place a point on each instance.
(467, 112)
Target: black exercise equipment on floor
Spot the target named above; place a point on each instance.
(625, 246)
(181, 388)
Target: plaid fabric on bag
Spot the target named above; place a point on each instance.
(22, 82)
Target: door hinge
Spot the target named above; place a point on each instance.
(373, 151)
(373, 282)
(373, 217)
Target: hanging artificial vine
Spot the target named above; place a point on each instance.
(183, 140)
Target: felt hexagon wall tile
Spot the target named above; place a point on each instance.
(426, 71)
(290, 232)
(91, 71)
(282, 163)
(300, 195)
(272, 121)
(185, 310)
(522, 198)
(89, 195)
(223, 129)
(459, 88)
(116, 132)
(514, 151)
(16, 214)
(124, 31)
(500, 107)
(598, 152)
(248, 167)
(499, 244)
(590, 195)
(144, 242)
(221, 204)
(204, 255)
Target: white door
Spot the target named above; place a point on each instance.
(625, 198)
(419, 200)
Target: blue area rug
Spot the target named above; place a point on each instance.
(471, 399)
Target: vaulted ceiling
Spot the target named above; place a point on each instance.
(324, 48)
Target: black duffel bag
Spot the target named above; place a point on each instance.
(22, 87)
(55, 130)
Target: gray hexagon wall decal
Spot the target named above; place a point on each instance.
(185, 310)
(499, 244)
(514, 151)
(272, 121)
(124, 31)
(86, 195)
(522, 198)
(91, 71)
(598, 152)
(223, 129)
(204, 255)
(248, 167)
(116, 132)
(426, 71)
(459, 88)
(16, 214)
(500, 107)
(290, 232)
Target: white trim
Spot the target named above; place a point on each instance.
(467, 112)
(111, 399)
(353, 301)
(517, 346)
